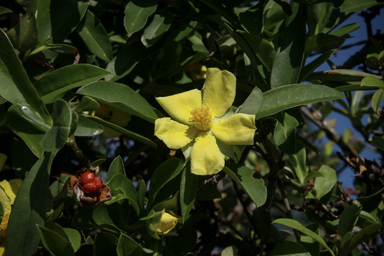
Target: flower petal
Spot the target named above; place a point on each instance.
(174, 134)
(179, 106)
(219, 91)
(11, 188)
(238, 129)
(206, 158)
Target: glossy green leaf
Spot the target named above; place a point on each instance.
(288, 248)
(230, 251)
(74, 237)
(121, 183)
(62, 19)
(30, 132)
(4, 10)
(348, 219)
(308, 69)
(253, 102)
(87, 127)
(298, 226)
(57, 136)
(74, 123)
(24, 35)
(298, 161)
(293, 95)
(137, 13)
(163, 174)
(324, 184)
(377, 142)
(40, 9)
(117, 209)
(188, 189)
(29, 209)
(358, 238)
(54, 242)
(243, 176)
(323, 43)
(87, 104)
(126, 246)
(120, 65)
(120, 96)
(339, 75)
(16, 87)
(372, 81)
(288, 61)
(123, 131)
(59, 188)
(312, 175)
(57, 82)
(357, 5)
(142, 190)
(105, 244)
(160, 24)
(95, 37)
(117, 167)
(377, 98)
(345, 29)
(284, 133)
(171, 204)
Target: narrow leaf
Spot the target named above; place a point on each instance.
(117, 167)
(308, 69)
(284, 133)
(188, 189)
(253, 103)
(55, 243)
(137, 13)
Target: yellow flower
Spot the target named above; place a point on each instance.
(166, 223)
(205, 129)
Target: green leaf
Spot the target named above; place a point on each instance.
(117, 167)
(142, 190)
(16, 87)
(188, 189)
(54, 242)
(59, 188)
(339, 75)
(229, 251)
(137, 13)
(298, 161)
(372, 81)
(95, 37)
(159, 25)
(377, 142)
(308, 69)
(121, 183)
(62, 19)
(348, 219)
(297, 225)
(59, 81)
(293, 95)
(288, 61)
(243, 176)
(30, 132)
(40, 9)
(87, 104)
(57, 136)
(120, 65)
(4, 10)
(323, 43)
(377, 99)
(126, 246)
(184, 242)
(105, 244)
(120, 96)
(87, 127)
(74, 123)
(123, 131)
(284, 134)
(358, 238)
(218, 7)
(24, 35)
(312, 175)
(358, 5)
(74, 237)
(162, 175)
(325, 184)
(29, 209)
(253, 103)
(345, 29)
(288, 248)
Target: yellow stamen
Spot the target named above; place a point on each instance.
(201, 118)
(4, 225)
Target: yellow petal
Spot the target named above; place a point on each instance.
(167, 223)
(219, 91)
(175, 135)
(206, 158)
(11, 188)
(5, 201)
(179, 106)
(238, 129)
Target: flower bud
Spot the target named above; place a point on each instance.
(166, 223)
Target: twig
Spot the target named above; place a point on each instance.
(72, 143)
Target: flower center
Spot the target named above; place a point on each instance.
(201, 117)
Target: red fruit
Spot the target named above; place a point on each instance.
(90, 187)
(98, 183)
(87, 177)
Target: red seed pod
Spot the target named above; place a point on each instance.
(98, 183)
(87, 177)
(90, 187)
